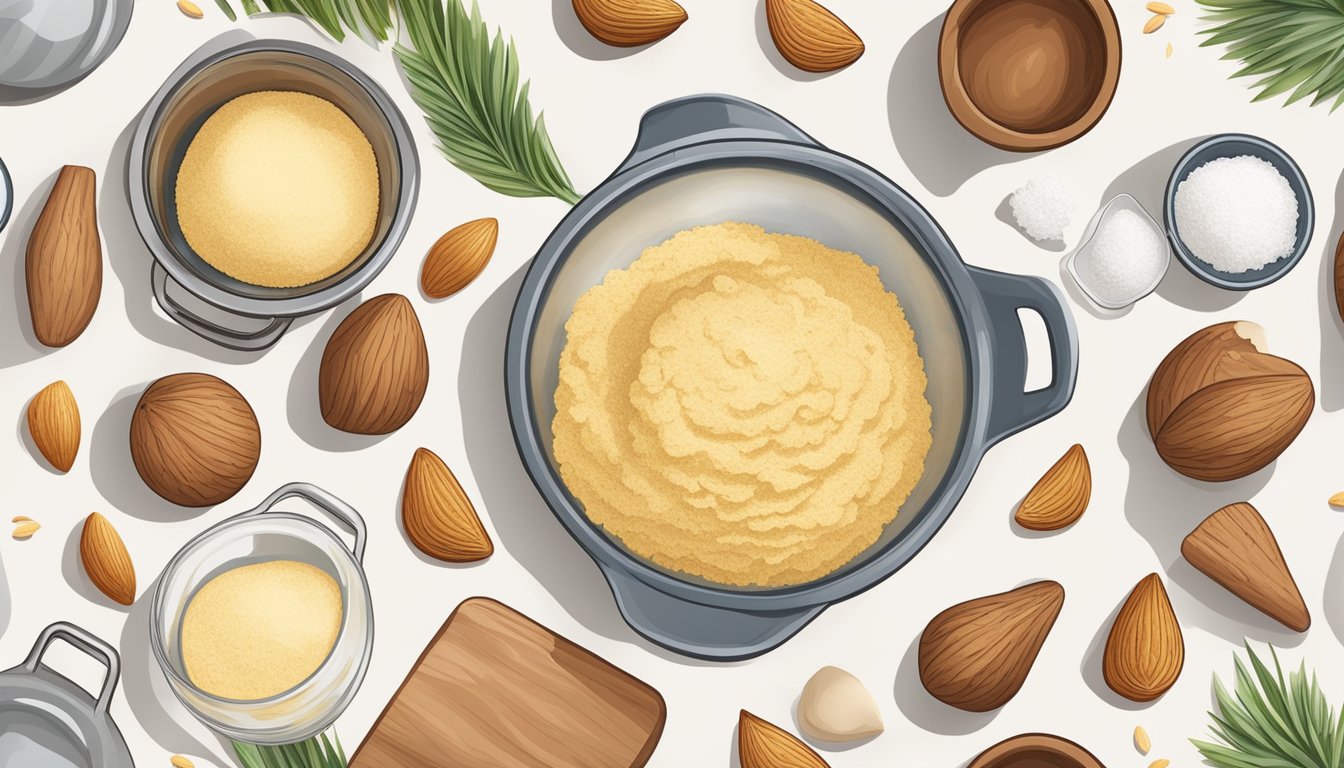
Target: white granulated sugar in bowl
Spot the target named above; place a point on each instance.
(1237, 214)
(1042, 207)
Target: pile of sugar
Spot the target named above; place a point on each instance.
(1237, 214)
(1124, 260)
(1042, 208)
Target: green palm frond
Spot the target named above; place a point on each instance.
(468, 85)
(465, 81)
(1293, 47)
(1273, 721)
(317, 752)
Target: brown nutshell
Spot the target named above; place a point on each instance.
(64, 262)
(1061, 496)
(761, 744)
(375, 368)
(1220, 408)
(458, 258)
(1236, 548)
(106, 560)
(53, 423)
(439, 518)
(1145, 650)
(975, 656)
(810, 37)
(629, 23)
(194, 439)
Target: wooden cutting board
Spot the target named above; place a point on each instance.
(495, 689)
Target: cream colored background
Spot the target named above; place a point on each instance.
(884, 110)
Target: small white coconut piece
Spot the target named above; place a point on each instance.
(835, 706)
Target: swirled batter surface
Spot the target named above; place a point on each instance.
(742, 406)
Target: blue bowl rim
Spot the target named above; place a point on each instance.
(1296, 179)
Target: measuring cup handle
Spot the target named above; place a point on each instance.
(323, 501)
(245, 341)
(708, 117)
(86, 642)
(1011, 408)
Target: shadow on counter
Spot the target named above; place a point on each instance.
(936, 149)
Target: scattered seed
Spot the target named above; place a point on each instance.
(1168, 50)
(1162, 8)
(1337, 500)
(179, 761)
(1160, 764)
(1141, 740)
(190, 9)
(20, 519)
(24, 531)
(1154, 24)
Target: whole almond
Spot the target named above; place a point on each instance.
(976, 655)
(194, 439)
(106, 560)
(64, 260)
(1219, 407)
(375, 368)
(437, 514)
(1154, 24)
(178, 761)
(190, 9)
(810, 37)
(1060, 497)
(1156, 6)
(1145, 650)
(761, 744)
(53, 422)
(1142, 741)
(1236, 548)
(629, 23)
(458, 257)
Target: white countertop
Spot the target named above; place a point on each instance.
(884, 110)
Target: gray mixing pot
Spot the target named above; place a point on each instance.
(243, 316)
(707, 159)
(47, 721)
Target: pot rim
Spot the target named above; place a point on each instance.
(293, 306)
(850, 175)
(969, 115)
(213, 533)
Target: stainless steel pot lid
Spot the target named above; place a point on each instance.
(46, 721)
(46, 44)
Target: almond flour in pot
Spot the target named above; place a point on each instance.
(258, 630)
(278, 189)
(742, 406)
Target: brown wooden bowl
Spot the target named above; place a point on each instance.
(1029, 75)
(1036, 750)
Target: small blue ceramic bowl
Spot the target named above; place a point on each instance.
(1235, 145)
(6, 196)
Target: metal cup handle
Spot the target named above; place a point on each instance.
(245, 341)
(324, 501)
(86, 642)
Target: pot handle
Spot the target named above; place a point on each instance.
(702, 631)
(691, 120)
(244, 341)
(323, 501)
(86, 642)
(1012, 409)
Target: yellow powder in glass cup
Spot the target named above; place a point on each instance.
(256, 631)
(278, 189)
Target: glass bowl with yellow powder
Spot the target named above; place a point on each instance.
(270, 180)
(263, 624)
